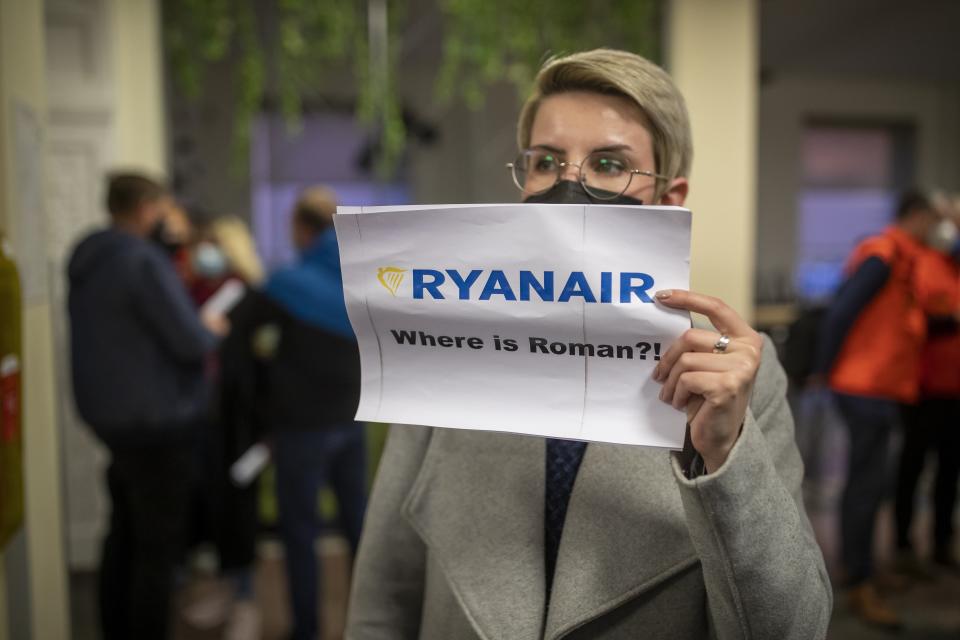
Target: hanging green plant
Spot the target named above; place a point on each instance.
(485, 42)
(488, 41)
(200, 34)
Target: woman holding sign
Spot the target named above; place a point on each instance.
(487, 535)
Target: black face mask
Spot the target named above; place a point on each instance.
(570, 192)
(159, 236)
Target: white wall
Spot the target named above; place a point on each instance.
(787, 101)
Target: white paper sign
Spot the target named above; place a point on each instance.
(225, 299)
(528, 318)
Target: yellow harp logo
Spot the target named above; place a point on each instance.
(390, 278)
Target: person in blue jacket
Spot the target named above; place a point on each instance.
(310, 389)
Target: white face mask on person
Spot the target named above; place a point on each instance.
(943, 236)
(208, 261)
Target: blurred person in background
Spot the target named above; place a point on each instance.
(224, 250)
(869, 351)
(174, 233)
(233, 237)
(241, 427)
(933, 424)
(476, 534)
(226, 513)
(138, 353)
(308, 394)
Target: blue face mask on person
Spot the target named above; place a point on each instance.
(570, 192)
(209, 261)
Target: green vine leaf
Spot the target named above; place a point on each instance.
(485, 42)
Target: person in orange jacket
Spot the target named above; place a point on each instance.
(934, 422)
(870, 348)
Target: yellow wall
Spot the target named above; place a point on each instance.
(138, 110)
(138, 82)
(4, 616)
(45, 540)
(712, 53)
(22, 79)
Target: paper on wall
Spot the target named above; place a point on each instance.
(529, 318)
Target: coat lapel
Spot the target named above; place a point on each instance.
(478, 505)
(625, 532)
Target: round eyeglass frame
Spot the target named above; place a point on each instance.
(512, 166)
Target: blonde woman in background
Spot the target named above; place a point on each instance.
(226, 251)
(235, 240)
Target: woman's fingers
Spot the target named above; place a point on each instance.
(693, 408)
(694, 361)
(697, 341)
(718, 388)
(713, 388)
(721, 315)
(692, 383)
(690, 340)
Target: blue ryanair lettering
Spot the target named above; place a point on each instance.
(420, 285)
(633, 286)
(464, 284)
(627, 287)
(497, 285)
(577, 285)
(544, 288)
(606, 287)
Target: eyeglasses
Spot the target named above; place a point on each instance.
(605, 175)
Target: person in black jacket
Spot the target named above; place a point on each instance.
(310, 398)
(138, 355)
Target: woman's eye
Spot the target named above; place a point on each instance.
(545, 163)
(608, 166)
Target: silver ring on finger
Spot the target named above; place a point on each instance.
(722, 344)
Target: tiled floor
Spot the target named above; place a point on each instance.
(269, 586)
(931, 610)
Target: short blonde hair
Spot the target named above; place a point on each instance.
(613, 72)
(316, 207)
(235, 240)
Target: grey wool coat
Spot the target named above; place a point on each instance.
(453, 541)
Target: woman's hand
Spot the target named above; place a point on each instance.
(712, 384)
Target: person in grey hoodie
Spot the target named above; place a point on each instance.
(138, 355)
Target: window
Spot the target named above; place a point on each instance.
(852, 175)
(328, 151)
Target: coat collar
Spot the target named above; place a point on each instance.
(478, 505)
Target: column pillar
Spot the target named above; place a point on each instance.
(137, 65)
(41, 605)
(712, 51)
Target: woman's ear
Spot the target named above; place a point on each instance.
(676, 193)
